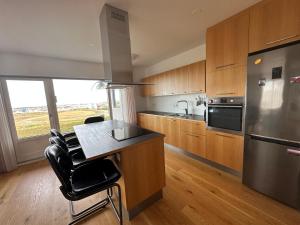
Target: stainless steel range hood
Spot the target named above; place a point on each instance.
(116, 50)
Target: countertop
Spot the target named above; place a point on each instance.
(96, 141)
(175, 115)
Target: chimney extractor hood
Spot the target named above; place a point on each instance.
(116, 51)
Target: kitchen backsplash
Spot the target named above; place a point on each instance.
(169, 103)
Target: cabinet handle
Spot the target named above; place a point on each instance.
(282, 39)
(224, 135)
(219, 67)
(226, 93)
(192, 135)
(293, 151)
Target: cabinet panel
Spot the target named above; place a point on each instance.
(227, 43)
(274, 22)
(226, 82)
(196, 79)
(181, 80)
(193, 127)
(194, 143)
(172, 132)
(225, 149)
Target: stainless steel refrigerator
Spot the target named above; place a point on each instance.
(272, 124)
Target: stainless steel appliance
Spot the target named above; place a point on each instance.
(225, 114)
(116, 49)
(272, 125)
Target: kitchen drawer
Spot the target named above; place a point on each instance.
(193, 127)
(195, 144)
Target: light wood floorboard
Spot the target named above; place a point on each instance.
(196, 194)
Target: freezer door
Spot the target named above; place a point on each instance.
(270, 169)
(273, 94)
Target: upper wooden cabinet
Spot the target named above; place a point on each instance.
(226, 52)
(183, 80)
(196, 79)
(227, 43)
(274, 22)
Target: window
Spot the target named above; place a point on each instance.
(78, 99)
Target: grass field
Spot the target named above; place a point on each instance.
(37, 123)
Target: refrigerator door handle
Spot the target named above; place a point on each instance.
(285, 142)
(293, 151)
(294, 80)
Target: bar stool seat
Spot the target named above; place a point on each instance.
(95, 175)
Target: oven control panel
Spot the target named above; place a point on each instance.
(226, 100)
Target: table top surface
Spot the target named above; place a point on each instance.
(96, 141)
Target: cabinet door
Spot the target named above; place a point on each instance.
(227, 43)
(274, 22)
(173, 132)
(146, 88)
(193, 127)
(196, 79)
(171, 79)
(225, 149)
(181, 80)
(226, 82)
(141, 120)
(194, 143)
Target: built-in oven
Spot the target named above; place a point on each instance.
(225, 114)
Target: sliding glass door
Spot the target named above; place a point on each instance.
(34, 106)
(29, 117)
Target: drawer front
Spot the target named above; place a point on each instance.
(193, 127)
(195, 144)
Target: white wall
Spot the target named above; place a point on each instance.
(168, 103)
(14, 64)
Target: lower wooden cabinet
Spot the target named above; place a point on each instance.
(172, 131)
(225, 149)
(192, 136)
(194, 144)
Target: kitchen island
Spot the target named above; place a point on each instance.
(140, 160)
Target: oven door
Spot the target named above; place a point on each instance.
(227, 117)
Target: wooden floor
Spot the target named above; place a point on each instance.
(196, 194)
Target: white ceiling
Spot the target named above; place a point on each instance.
(69, 29)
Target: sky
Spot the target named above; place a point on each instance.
(29, 93)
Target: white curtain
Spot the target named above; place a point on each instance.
(128, 105)
(6, 142)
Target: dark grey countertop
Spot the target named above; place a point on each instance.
(176, 115)
(96, 141)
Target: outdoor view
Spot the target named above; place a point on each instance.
(76, 100)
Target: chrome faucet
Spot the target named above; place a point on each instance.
(187, 106)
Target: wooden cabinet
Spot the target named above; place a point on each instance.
(183, 80)
(225, 149)
(196, 78)
(142, 120)
(172, 131)
(226, 82)
(193, 137)
(226, 52)
(274, 22)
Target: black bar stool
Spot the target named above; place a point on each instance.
(70, 138)
(76, 154)
(94, 119)
(84, 181)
